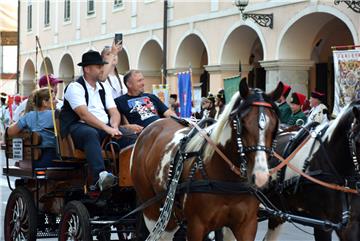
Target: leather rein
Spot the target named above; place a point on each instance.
(233, 168)
(284, 161)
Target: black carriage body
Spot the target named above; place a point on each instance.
(44, 196)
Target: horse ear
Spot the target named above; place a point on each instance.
(356, 113)
(243, 88)
(275, 95)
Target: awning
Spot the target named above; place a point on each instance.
(8, 22)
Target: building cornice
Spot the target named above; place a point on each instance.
(287, 64)
(227, 68)
(173, 23)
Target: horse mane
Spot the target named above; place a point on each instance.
(217, 130)
(342, 121)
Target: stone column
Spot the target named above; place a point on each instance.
(294, 72)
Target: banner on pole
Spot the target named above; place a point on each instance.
(231, 86)
(347, 78)
(185, 95)
(162, 92)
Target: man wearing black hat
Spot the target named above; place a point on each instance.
(319, 111)
(89, 114)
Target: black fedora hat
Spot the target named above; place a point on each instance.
(91, 58)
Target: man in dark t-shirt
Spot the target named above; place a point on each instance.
(139, 107)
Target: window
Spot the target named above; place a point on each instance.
(90, 7)
(118, 4)
(47, 13)
(67, 10)
(29, 16)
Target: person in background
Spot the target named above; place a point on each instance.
(220, 103)
(27, 105)
(4, 115)
(17, 101)
(174, 105)
(113, 81)
(39, 120)
(319, 111)
(297, 100)
(284, 107)
(138, 107)
(207, 108)
(306, 107)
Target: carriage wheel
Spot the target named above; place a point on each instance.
(20, 216)
(75, 224)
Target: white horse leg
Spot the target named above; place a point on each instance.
(228, 234)
(166, 235)
(273, 234)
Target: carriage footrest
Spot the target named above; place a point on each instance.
(15, 171)
(58, 173)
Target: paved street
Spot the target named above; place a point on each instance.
(289, 232)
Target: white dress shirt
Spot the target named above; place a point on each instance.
(75, 95)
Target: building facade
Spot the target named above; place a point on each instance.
(203, 35)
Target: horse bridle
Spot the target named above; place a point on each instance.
(262, 104)
(353, 151)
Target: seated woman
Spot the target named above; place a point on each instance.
(39, 120)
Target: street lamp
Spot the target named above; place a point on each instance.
(264, 20)
(353, 4)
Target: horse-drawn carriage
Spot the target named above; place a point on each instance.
(58, 201)
(200, 179)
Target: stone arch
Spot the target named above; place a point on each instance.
(242, 50)
(150, 62)
(66, 72)
(309, 36)
(28, 81)
(297, 33)
(123, 64)
(49, 66)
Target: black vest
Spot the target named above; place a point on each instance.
(68, 116)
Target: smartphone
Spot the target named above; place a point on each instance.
(118, 37)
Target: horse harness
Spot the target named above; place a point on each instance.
(324, 179)
(209, 186)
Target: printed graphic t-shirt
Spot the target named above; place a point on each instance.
(142, 110)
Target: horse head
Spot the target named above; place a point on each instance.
(255, 123)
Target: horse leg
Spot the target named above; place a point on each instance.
(245, 231)
(195, 231)
(273, 231)
(321, 235)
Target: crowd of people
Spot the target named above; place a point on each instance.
(302, 111)
(104, 103)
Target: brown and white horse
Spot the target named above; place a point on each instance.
(250, 117)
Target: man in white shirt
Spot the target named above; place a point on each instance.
(89, 114)
(319, 111)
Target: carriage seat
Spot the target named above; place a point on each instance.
(296, 140)
(69, 152)
(29, 142)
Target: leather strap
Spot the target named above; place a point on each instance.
(315, 180)
(233, 168)
(289, 158)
